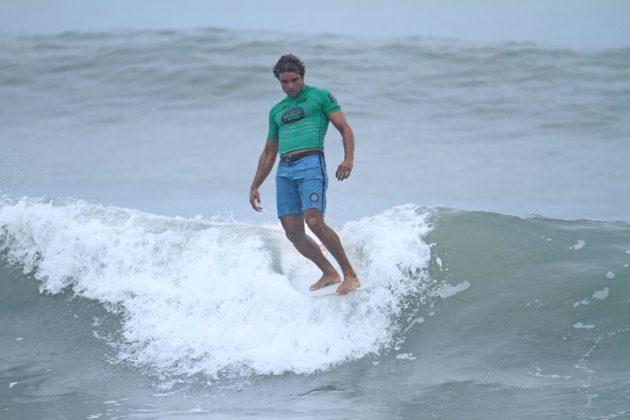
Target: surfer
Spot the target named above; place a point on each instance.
(297, 126)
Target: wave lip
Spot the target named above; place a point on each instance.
(214, 298)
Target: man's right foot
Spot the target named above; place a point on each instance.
(349, 284)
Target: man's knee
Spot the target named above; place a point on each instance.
(293, 231)
(293, 234)
(293, 227)
(315, 221)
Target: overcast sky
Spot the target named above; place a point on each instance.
(572, 23)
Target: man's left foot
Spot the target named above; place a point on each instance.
(327, 279)
(349, 284)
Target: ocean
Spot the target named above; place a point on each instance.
(487, 217)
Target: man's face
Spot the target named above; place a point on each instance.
(292, 83)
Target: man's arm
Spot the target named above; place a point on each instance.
(340, 123)
(265, 164)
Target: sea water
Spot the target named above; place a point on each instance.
(136, 281)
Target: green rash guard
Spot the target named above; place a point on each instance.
(301, 122)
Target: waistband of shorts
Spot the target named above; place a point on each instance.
(297, 156)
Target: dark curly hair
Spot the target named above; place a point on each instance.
(289, 63)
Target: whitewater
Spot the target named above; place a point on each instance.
(487, 217)
(209, 298)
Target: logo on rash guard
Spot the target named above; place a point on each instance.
(292, 115)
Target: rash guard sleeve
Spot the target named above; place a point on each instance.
(329, 102)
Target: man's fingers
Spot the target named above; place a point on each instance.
(343, 173)
(254, 200)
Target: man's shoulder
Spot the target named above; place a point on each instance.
(322, 96)
(315, 91)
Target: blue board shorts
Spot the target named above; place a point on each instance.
(301, 185)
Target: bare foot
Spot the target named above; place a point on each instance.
(326, 279)
(349, 284)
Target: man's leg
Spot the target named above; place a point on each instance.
(315, 220)
(294, 228)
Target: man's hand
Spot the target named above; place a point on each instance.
(344, 169)
(265, 164)
(254, 199)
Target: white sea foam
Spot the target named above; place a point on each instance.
(580, 325)
(201, 297)
(419, 320)
(438, 260)
(583, 302)
(405, 356)
(448, 290)
(578, 245)
(601, 294)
